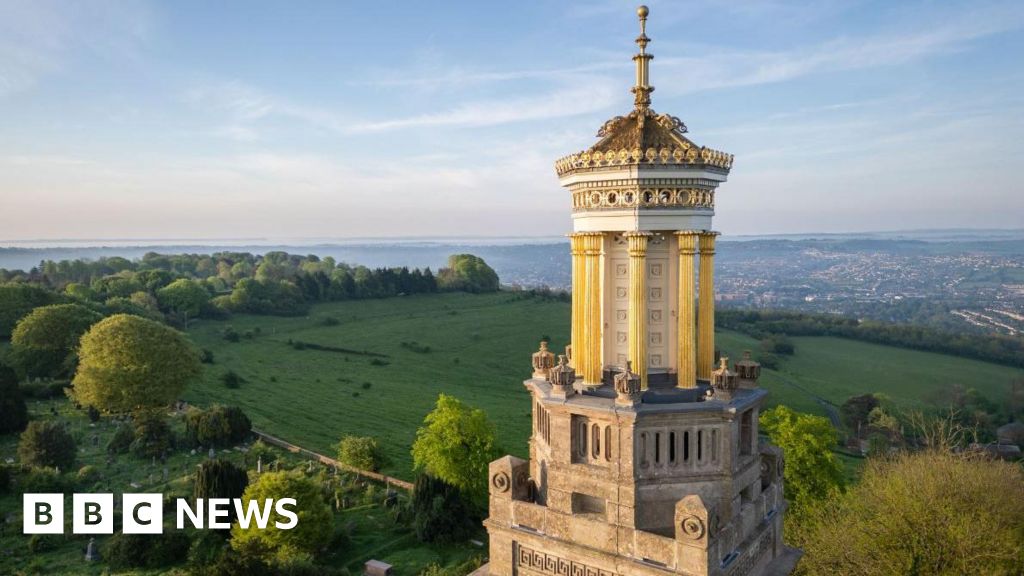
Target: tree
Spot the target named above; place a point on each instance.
(220, 479)
(13, 412)
(17, 300)
(43, 343)
(469, 273)
(854, 412)
(930, 512)
(315, 521)
(456, 444)
(812, 472)
(183, 297)
(361, 452)
(47, 443)
(217, 426)
(127, 362)
(439, 511)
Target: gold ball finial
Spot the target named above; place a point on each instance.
(642, 12)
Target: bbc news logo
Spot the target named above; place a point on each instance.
(144, 513)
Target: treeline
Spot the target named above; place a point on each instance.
(181, 287)
(1008, 350)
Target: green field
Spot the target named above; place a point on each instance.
(479, 352)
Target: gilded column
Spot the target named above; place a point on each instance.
(638, 303)
(579, 298)
(686, 317)
(706, 307)
(593, 369)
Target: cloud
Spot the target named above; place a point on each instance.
(568, 101)
(40, 37)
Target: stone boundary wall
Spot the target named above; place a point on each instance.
(274, 440)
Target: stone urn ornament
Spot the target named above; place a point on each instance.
(543, 361)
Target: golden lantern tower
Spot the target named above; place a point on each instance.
(642, 200)
(645, 458)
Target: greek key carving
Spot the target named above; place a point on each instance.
(551, 565)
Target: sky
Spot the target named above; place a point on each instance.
(217, 120)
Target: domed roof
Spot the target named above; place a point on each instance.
(643, 137)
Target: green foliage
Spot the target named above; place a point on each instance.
(440, 513)
(87, 476)
(456, 444)
(40, 389)
(41, 543)
(47, 443)
(13, 411)
(122, 551)
(44, 341)
(778, 344)
(854, 412)
(268, 297)
(231, 379)
(927, 513)
(184, 297)
(468, 273)
(362, 452)
(151, 434)
(122, 439)
(43, 480)
(127, 362)
(5, 479)
(17, 300)
(812, 472)
(315, 520)
(218, 426)
(220, 479)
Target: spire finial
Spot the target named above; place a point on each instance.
(642, 90)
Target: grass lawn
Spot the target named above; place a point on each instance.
(479, 351)
(479, 348)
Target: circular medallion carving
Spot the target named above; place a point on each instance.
(692, 527)
(501, 482)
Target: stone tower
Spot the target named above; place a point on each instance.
(644, 459)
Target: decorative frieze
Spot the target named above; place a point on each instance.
(549, 564)
(691, 155)
(642, 197)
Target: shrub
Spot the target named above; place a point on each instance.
(42, 480)
(152, 434)
(47, 443)
(217, 426)
(379, 362)
(206, 549)
(929, 512)
(231, 335)
(329, 321)
(367, 385)
(123, 551)
(43, 389)
(206, 356)
(361, 452)
(87, 476)
(312, 532)
(13, 411)
(220, 479)
(93, 413)
(440, 513)
(122, 439)
(259, 451)
(40, 543)
(231, 379)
